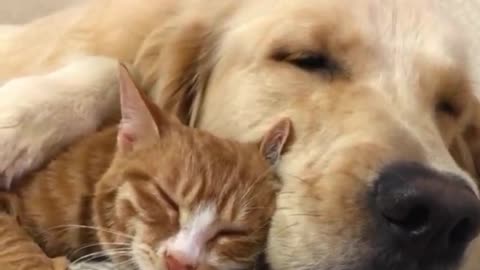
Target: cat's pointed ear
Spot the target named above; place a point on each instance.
(274, 142)
(137, 123)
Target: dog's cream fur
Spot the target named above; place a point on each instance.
(40, 114)
(216, 65)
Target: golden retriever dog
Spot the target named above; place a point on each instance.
(381, 173)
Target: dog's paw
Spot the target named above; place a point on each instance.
(18, 153)
(32, 135)
(33, 139)
(40, 115)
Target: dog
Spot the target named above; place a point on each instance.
(383, 169)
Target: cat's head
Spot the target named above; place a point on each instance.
(177, 198)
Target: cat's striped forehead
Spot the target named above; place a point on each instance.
(196, 168)
(226, 174)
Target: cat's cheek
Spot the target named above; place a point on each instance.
(145, 217)
(148, 247)
(216, 258)
(153, 235)
(232, 253)
(125, 218)
(145, 256)
(129, 210)
(219, 262)
(124, 210)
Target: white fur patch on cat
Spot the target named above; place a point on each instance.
(188, 245)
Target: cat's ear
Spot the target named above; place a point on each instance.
(274, 142)
(137, 123)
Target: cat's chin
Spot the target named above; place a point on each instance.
(146, 259)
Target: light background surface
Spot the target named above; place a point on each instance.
(19, 11)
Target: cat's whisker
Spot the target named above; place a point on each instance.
(129, 262)
(288, 227)
(312, 213)
(257, 208)
(60, 228)
(298, 178)
(303, 181)
(75, 226)
(305, 215)
(284, 208)
(250, 188)
(93, 255)
(261, 227)
(287, 192)
(100, 254)
(145, 252)
(143, 247)
(100, 245)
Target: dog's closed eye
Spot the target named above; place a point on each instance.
(453, 106)
(314, 62)
(447, 107)
(310, 61)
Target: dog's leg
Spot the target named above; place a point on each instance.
(39, 115)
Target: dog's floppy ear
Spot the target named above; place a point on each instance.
(466, 147)
(176, 62)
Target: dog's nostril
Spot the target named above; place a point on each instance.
(461, 232)
(413, 220)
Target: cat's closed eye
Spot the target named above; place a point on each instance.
(172, 206)
(152, 203)
(229, 232)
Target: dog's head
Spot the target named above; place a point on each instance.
(380, 96)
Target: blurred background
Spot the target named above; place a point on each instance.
(20, 11)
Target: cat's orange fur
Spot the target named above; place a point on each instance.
(115, 189)
(18, 250)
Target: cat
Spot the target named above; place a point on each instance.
(150, 194)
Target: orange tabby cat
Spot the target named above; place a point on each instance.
(151, 194)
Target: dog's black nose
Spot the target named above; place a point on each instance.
(425, 213)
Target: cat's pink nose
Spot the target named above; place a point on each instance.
(178, 263)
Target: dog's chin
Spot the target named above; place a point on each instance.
(405, 265)
(377, 263)
(393, 261)
(391, 255)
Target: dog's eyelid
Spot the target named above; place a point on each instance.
(448, 107)
(310, 61)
